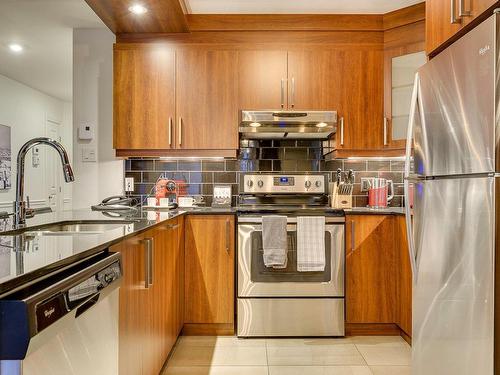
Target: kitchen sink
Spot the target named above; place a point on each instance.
(71, 228)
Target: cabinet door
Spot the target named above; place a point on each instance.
(371, 275)
(133, 307)
(401, 65)
(144, 97)
(207, 99)
(363, 100)
(438, 25)
(477, 7)
(316, 79)
(262, 82)
(172, 270)
(159, 293)
(209, 269)
(405, 281)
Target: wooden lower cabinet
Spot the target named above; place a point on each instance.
(370, 268)
(209, 271)
(133, 299)
(378, 274)
(151, 314)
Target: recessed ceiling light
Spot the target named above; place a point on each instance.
(321, 124)
(138, 9)
(255, 124)
(14, 47)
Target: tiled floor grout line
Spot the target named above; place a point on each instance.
(361, 354)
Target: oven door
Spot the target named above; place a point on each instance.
(257, 280)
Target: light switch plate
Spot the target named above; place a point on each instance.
(89, 154)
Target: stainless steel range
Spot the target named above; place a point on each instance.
(285, 301)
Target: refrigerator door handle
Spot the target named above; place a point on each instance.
(409, 231)
(408, 177)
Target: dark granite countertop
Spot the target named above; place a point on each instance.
(31, 256)
(375, 211)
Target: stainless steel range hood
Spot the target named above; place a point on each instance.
(287, 124)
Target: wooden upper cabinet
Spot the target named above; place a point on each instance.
(439, 14)
(262, 80)
(144, 96)
(207, 99)
(362, 93)
(209, 269)
(316, 79)
(371, 274)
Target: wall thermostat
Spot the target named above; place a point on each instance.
(86, 132)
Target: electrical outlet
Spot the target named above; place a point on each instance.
(129, 184)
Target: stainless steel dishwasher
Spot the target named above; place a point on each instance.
(65, 324)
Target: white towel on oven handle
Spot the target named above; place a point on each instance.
(310, 243)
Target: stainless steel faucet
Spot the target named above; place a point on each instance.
(22, 209)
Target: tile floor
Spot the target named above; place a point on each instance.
(375, 355)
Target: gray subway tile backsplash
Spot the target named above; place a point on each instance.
(297, 156)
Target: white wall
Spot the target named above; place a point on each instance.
(26, 111)
(93, 103)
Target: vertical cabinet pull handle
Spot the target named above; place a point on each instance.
(148, 263)
(228, 236)
(170, 131)
(352, 235)
(293, 93)
(462, 12)
(282, 93)
(180, 131)
(341, 131)
(453, 17)
(385, 131)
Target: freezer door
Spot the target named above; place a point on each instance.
(453, 304)
(456, 103)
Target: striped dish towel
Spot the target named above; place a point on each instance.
(310, 243)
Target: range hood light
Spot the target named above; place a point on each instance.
(255, 124)
(321, 124)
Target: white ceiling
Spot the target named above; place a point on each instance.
(296, 6)
(45, 29)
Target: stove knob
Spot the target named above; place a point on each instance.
(260, 183)
(249, 183)
(308, 184)
(318, 184)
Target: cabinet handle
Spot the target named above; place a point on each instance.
(385, 131)
(180, 131)
(148, 263)
(170, 131)
(462, 12)
(341, 131)
(172, 226)
(352, 235)
(293, 92)
(453, 17)
(228, 236)
(282, 93)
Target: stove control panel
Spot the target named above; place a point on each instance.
(276, 184)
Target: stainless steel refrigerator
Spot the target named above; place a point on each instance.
(453, 183)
